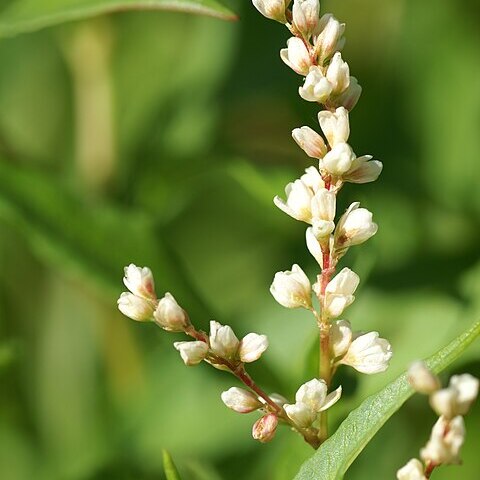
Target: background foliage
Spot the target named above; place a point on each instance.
(161, 138)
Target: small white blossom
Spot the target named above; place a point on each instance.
(316, 87)
(252, 346)
(339, 292)
(340, 337)
(339, 159)
(273, 9)
(368, 353)
(422, 379)
(355, 226)
(457, 398)
(299, 201)
(134, 307)
(413, 470)
(338, 74)
(311, 399)
(335, 125)
(329, 37)
(192, 353)
(265, 427)
(169, 315)
(444, 445)
(310, 142)
(350, 96)
(296, 56)
(323, 213)
(223, 341)
(306, 15)
(313, 179)
(139, 280)
(240, 400)
(363, 170)
(292, 289)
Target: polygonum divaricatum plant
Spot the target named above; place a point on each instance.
(314, 52)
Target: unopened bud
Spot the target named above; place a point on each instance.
(339, 159)
(310, 142)
(134, 307)
(192, 353)
(292, 289)
(169, 315)
(264, 428)
(296, 56)
(306, 16)
(350, 96)
(338, 74)
(223, 341)
(316, 87)
(139, 280)
(413, 470)
(273, 9)
(240, 400)
(422, 379)
(329, 38)
(252, 346)
(355, 226)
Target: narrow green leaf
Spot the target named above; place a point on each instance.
(333, 458)
(171, 471)
(23, 16)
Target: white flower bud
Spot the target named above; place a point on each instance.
(314, 246)
(310, 142)
(323, 213)
(252, 346)
(313, 179)
(339, 159)
(422, 379)
(413, 470)
(134, 307)
(192, 353)
(467, 388)
(350, 96)
(363, 170)
(355, 226)
(457, 398)
(445, 442)
(299, 200)
(300, 414)
(296, 56)
(339, 292)
(311, 399)
(273, 9)
(329, 38)
(340, 338)
(240, 400)
(316, 87)
(335, 125)
(223, 341)
(169, 315)
(139, 280)
(338, 74)
(280, 400)
(292, 289)
(306, 16)
(265, 427)
(368, 354)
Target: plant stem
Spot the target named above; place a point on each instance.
(310, 435)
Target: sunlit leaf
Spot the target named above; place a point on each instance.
(169, 467)
(333, 458)
(29, 15)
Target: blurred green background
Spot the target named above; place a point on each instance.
(160, 138)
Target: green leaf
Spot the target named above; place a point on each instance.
(333, 458)
(169, 467)
(22, 16)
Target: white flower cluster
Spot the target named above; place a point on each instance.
(221, 345)
(448, 433)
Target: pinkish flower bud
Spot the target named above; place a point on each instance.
(264, 428)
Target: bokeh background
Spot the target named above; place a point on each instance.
(160, 138)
